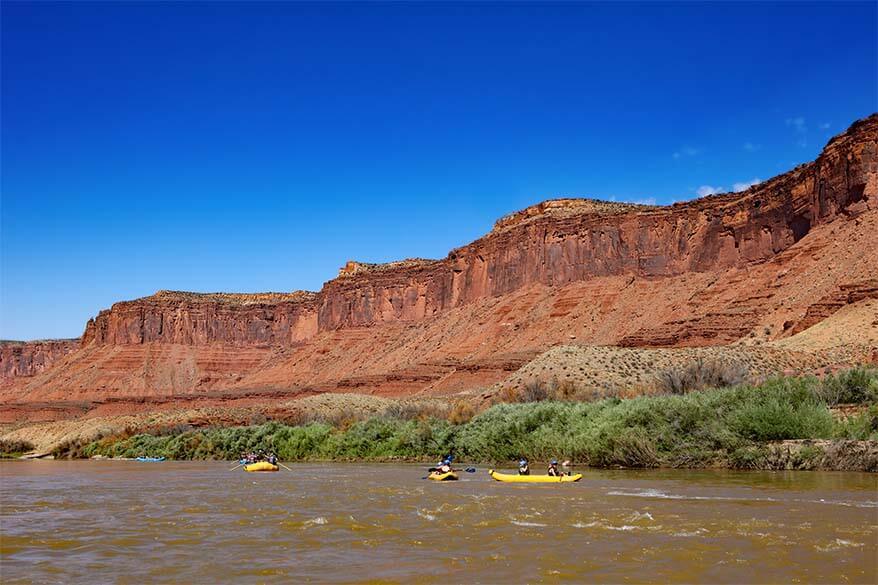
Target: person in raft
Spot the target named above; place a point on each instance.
(272, 458)
(523, 468)
(553, 470)
(444, 466)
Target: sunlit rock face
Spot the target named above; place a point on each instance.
(781, 256)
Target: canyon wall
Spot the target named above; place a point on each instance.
(563, 241)
(750, 267)
(553, 243)
(26, 359)
(200, 319)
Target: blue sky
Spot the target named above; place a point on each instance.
(233, 147)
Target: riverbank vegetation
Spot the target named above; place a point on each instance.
(738, 426)
(14, 449)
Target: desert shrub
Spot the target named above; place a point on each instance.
(750, 457)
(303, 442)
(462, 412)
(564, 390)
(508, 431)
(162, 431)
(633, 448)
(862, 427)
(385, 438)
(700, 428)
(807, 457)
(617, 445)
(343, 418)
(14, 448)
(854, 386)
(787, 413)
(506, 395)
(533, 391)
(417, 410)
(699, 375)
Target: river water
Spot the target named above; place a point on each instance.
(198, 522)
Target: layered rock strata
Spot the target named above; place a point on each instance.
(553, 243)
(757, 265)
(26, 359)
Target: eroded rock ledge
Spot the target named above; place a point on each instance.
(24, 359)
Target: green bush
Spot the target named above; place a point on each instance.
(753, 457)
(854, 386)
(771, 417)
(695, 429)
(862, 427)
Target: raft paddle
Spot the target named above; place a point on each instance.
(284, 466)
(236, 467)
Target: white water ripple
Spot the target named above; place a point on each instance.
(651, 493)
(523, 523)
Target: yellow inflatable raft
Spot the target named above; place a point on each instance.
(261, 466)
(436, 476)
(507, 477)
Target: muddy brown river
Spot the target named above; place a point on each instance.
(198, 522)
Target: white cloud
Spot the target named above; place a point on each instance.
(750, 147)
(738, 187)
(645, 201)
(686, 151)
(705, 190)
(798, 124)
(800, 129)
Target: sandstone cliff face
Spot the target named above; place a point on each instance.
(778, 258)
(200, 319)
(25, 359)
(553, 244)
(564, 241)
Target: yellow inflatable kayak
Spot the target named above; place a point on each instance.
(261, 466)
(436, 476)
(508, 477)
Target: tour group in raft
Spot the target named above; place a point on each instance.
(443, 471)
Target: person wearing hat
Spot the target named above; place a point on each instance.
(553, 470)
(523, 468)
(445, 466)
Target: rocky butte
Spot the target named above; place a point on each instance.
(765, 264)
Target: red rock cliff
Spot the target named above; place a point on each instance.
(200, 319)
(23, 359)
(553, 243)
(562, 241)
